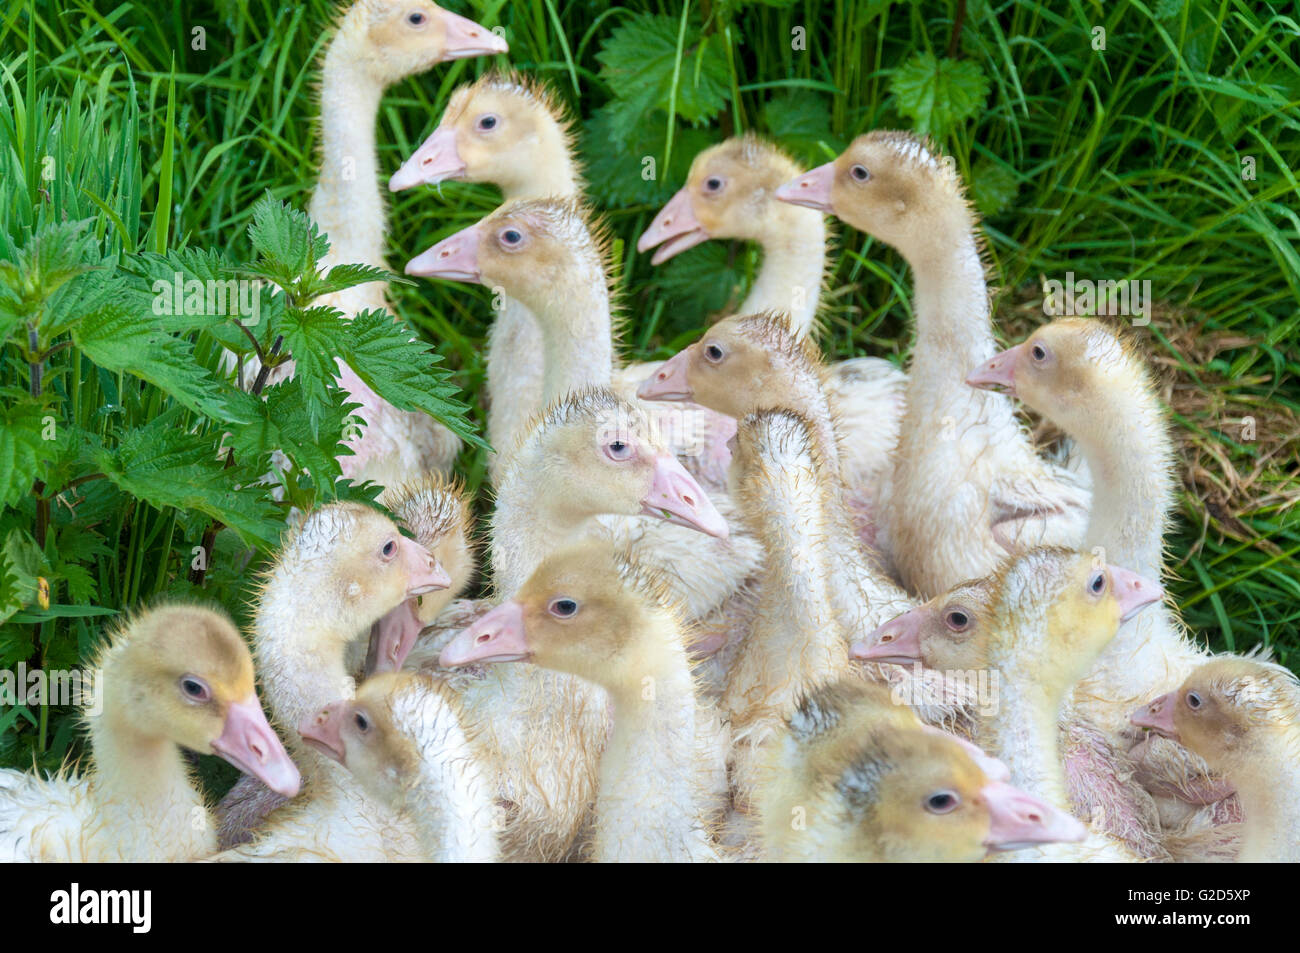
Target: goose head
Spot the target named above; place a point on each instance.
(184, 671)
(730, 192)
(946, 634)
(494, 130)
(394, 39)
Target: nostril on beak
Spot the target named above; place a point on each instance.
(887, 637)
(258, 750)
(689, 502)
(427, 160)
(483, 638)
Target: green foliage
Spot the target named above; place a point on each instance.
(938, 94)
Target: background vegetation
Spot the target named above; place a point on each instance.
(1169, 155)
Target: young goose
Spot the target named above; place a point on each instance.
(376, 44)
(966, 485)
(944, 634)
(1055, 611)
(401, 737)
(730, 192)
(856, 778)
(173, 677)
(589, 612)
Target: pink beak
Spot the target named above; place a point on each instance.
(1158, 716)
(425, 572)
(676, 497)
(323, 731)
(1017, 820)
(898, 641)
(811, 190)
(248, 743)
(669, 381)
(437, 160)
(676, 225)
(393, 637)
(1134, 592)
(997, 371)
(497, 636)
(465, 38)
(993, 769)
(455, 258)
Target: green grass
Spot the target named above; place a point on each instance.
(1122, 163)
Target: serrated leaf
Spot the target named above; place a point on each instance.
(400, 368)
(81, 585)
(345, 276)
(616, 166)
(314, 336)
(993, 187)
(282, 425)
(117, 339)
(800, 120)
(938, 94)
(288, 243)
(195, 290)
(55, 255)
(24, 451)
(25, 563)
(168, 467)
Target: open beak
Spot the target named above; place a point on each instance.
(674, 229)
(455, 258)
(392, 638)
(1017, 820)
(465, 38)
(323, 731)
(811, 190)
(997, 371)
(1134, 592)
(497, 636)
(676, 497)
(437, 160)
(248, 743)
(898, 641)
(669, 382)
(1157, 716)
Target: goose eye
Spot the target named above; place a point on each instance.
(713, 184)
(860, 173)
(619, 450)
(1194, 701)
(714, 353)
(942, 802)
(512, 237)
(415, 18)
(957, 620)
(563, 608)
(361, 721)
(390, 549)
(1097, 583)
(194, 688)
(1038, 353)
(487, 123)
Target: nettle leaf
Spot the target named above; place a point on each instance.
(195, 290)
(56, 254)
(993, 187)
(117, 339)
(283, 426)
(402, 369)
(24, 562)
(938, 94)
(168, 467)
(24, 450)
(800, 120)
(617, 167)
(314, 336)
(11, 598)
(341, 277)
(638, 61)
(287, 242)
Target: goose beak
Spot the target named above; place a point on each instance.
(993, 769)
(454, 258)
(676, 497)
(998, 371)
(392, 638)
(248, 743)
(1017, 820)
(1157, 716)
(897, 642)
(670, 381)
(675, 228)
(437, 160)
(1133, 592)
(495, 637)
(465, 38)
(811, 190)
(323, 731)
(424, 572)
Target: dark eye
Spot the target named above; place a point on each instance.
(1194, 701)
(942, 802)
(415, 19)
(361, 721)
(957, 620)
(1097, 583)
(713, 184)
(860, 173)
(1038, 353)
(618, 450)
(488, 122)
(194, 688)
(563, 608)
(390, 549)
(511, 237)
(714, 353)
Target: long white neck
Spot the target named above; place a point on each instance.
(794, 262)
(1268, 801)
(452, 801)
(648, 807)
(577, 340)
(1023, 732)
